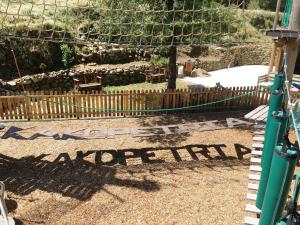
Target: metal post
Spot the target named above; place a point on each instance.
(281, 174)
(271, 136)
(271, 139)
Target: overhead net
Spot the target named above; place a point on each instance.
(295, 111)
(287, 13)
(129, 22)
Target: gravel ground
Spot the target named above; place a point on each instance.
(197, 178)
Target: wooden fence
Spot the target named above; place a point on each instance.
(52, 105)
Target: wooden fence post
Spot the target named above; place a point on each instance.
(28, 106)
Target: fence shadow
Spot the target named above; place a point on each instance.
(173, 119)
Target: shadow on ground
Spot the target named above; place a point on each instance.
(81, 177)
(174, 119)
(78, 179)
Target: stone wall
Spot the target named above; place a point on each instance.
(111, 55)
(63, 80)
(250, 54)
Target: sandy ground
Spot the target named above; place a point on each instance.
(233, 77)
(197, 178)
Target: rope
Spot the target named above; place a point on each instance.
(126, 22)
(287, 13)
(142, 110)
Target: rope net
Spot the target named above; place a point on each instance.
(295, 111)
(127, 22)
(287, 13)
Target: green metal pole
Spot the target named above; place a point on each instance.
(270, 137)
(284, 127)
(281, 174)
(270, 142)
(276, 99)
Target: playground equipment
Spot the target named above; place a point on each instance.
(137, 23)
(292, 216)
(123, 23)
(4, 219)
(279, 155)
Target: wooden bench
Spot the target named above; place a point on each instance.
(156, 75)
(270, 78)
(88, 86)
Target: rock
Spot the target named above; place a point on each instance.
(200, 73)
(12, 83)
(92, 64)
(34, 79)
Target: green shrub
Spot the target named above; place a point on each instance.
(157, 60)
(67, 55)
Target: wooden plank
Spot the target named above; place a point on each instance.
(97, 102)
(254, 177)
(259, 126)
(125, 102)
(252, 208)
(263, 116)
(56, 99)
(118, 104)
(44, 107)
(138, 100)
(251, 221)
(9, 108)
(133, 103)
(255, 160)
(73, 108)
(260, 113)
(78, 103)
(51, 105)
(251, 196)
(31, 105)
(113, 104)
(1, 108)
(252, 186)
(61, 105)
(84, 105)
(110, 112)
(254, 152)
(89, 105)
(48, 107)
(28, 107)
(258, 138)
(255, 168)
(94, 103)
(257, 145)
(105, 101)
(259, 132)
(16, 105)
(254, 112)
(101, 104)
(143, 101)
(66, 105)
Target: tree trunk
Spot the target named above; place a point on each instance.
(172, 68)
(173, 50)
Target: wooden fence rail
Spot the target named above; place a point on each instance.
(52, 105)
